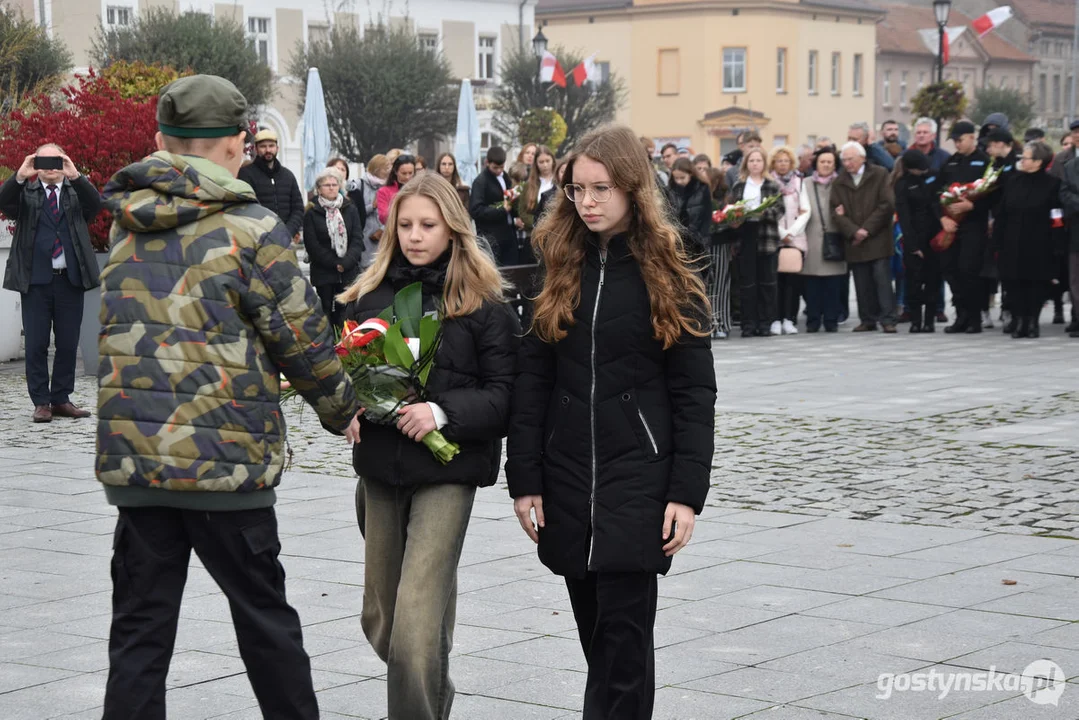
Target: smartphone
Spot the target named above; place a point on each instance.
(48, 163)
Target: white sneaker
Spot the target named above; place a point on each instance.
(720, 335)
(789, 328)
(777, 328)
(987, 320)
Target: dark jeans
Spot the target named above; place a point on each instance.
(873, 286)
(331, 308)
(923, 283)
(151, 550)
(824, 299)
(616, 617)
(758, 274)
(53, 309)
(789, 289)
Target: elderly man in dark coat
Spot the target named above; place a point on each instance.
(862, 204)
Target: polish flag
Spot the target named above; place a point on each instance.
(586, 71)
(931, 37)
(991, 20)
(551, 70)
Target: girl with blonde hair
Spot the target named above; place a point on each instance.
(413, 511)
(611, 432)
(783, 165)
(757, 247)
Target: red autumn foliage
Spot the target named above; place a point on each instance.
(100, 131)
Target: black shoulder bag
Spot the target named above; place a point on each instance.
(834, 248)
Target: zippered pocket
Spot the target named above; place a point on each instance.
(563, 403)
(648, 431)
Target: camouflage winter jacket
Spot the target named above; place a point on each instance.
(203, 304)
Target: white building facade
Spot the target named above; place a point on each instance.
(474, 35)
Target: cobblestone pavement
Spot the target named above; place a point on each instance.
(874, 509)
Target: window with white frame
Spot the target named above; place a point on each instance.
(734, 69)
(429, 41)
(886, 89)
(119, 15)
(921, 80)
(1003, 81)
(258, 31)
(903, 89)
(857, 87)
(486, 69)
(780, 140)
(836, 68)
(781, 70)
(488, 140)
(813, 72)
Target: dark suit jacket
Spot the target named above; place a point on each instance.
(23, 204)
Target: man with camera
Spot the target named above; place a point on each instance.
(51, 264)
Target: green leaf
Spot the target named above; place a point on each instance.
(396, 349)
(387, 315)
(408, 307)
(429, 327)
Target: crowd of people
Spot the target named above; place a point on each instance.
(863, 210)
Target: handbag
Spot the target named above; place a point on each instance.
(790, 260)
(834, 247)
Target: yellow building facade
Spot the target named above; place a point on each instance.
(700, 71)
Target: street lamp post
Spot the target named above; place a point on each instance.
(941, 9)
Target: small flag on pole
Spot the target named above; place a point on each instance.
(551, 70)
(991, 20)
(585, 71)
(931, 39)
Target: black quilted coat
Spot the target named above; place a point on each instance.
(609, 427)
(471, 381)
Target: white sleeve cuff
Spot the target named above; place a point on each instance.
(441, 420)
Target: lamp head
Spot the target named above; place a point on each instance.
(539, 43)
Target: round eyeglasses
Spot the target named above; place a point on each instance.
(577, 193)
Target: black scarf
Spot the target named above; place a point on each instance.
(402, 273)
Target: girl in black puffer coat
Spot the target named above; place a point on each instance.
(611, 432)
(691, 202)
(412, 510)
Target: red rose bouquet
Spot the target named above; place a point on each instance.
(957, 192)
(389, 359)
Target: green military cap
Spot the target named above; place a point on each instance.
(201, 106)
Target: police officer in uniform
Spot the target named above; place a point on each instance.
(962, 262)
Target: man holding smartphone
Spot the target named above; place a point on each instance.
(51, 265)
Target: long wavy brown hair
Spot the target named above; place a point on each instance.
(533, 186)
(676, 294)
(472, 277)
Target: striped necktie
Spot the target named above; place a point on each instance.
(54, 209)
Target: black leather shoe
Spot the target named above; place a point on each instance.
(974, 328)
(959, 326)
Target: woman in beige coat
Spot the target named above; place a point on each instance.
(823, 278)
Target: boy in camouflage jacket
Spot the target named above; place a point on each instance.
(203, 307)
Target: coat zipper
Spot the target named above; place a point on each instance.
(648, 430)
(592, 409)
